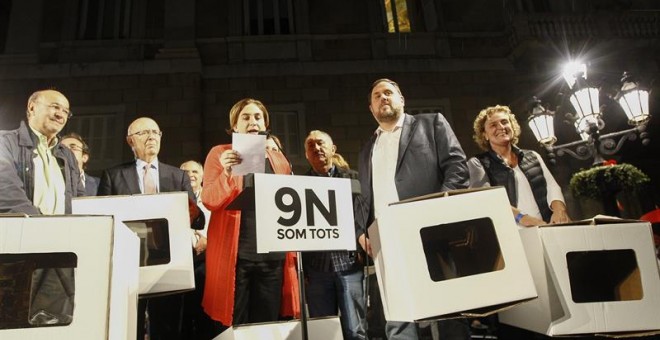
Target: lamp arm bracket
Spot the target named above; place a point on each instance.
(569, 145)
(583, 151)
(608, 144)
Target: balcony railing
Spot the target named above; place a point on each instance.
(632, 25)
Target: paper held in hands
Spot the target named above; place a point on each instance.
(252, 150)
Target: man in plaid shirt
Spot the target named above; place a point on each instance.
(335, 278)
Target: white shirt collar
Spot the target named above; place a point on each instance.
(398, 125)
(140, 163)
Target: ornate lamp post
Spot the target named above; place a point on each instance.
(588, 121)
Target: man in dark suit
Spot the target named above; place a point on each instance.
(80, 149)
(146, 175)
(408, 156)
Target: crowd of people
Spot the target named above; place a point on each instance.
(406, 156)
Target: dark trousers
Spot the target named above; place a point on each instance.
(196, 324)
(258, 291)
(451, 329)
(165, 314)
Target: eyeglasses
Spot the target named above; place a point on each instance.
(143, 133)
(74, 147)
(58, 107)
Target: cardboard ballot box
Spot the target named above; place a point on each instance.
(594, 276)
(162, 223)
(67, 277)
(451, 253)
(327, 328)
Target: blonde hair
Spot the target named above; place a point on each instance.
(339, 161)
(479, 125)
(277, 141)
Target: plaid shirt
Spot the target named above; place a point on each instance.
(335, 261)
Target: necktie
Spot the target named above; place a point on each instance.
(149, 184)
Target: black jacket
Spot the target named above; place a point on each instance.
(430, 159)
(17, 150)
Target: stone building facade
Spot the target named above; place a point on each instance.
(185, 63)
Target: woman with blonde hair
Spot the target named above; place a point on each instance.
(533, 193)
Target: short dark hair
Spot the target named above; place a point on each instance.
(382, 80)
(85, 148)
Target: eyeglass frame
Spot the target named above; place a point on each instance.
(75, 147)
(146, 132)
(57, 107)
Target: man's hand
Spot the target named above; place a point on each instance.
(194, 212)
(559, 214)
(200, 247)
(365, 244)
(531, 221)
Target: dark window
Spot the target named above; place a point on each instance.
(104, 19)
(155, 19)
(101, 131)
(5, 10)
(536, 6)
(285, 125)
(268, 17)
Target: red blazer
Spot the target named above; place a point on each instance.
(222, 248)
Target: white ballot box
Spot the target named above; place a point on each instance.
(162, 223)
(448, 254)
(327, 328)
(593, 276)
(67, 277)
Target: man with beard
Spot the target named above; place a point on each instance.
(146, 175)
(334, 278)
(408, 156)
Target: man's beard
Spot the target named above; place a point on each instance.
(390, 116)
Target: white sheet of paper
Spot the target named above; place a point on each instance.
(252, 149)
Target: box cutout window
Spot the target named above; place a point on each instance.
(461, 249)
(604, 275)
(154, 240)
(37, 289)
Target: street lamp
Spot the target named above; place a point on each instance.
(588, 121)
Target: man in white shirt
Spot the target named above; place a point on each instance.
(408, 156)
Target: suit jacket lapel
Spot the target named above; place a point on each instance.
(372, 142)
(131, 178)
(407, 129)
(164, 177)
